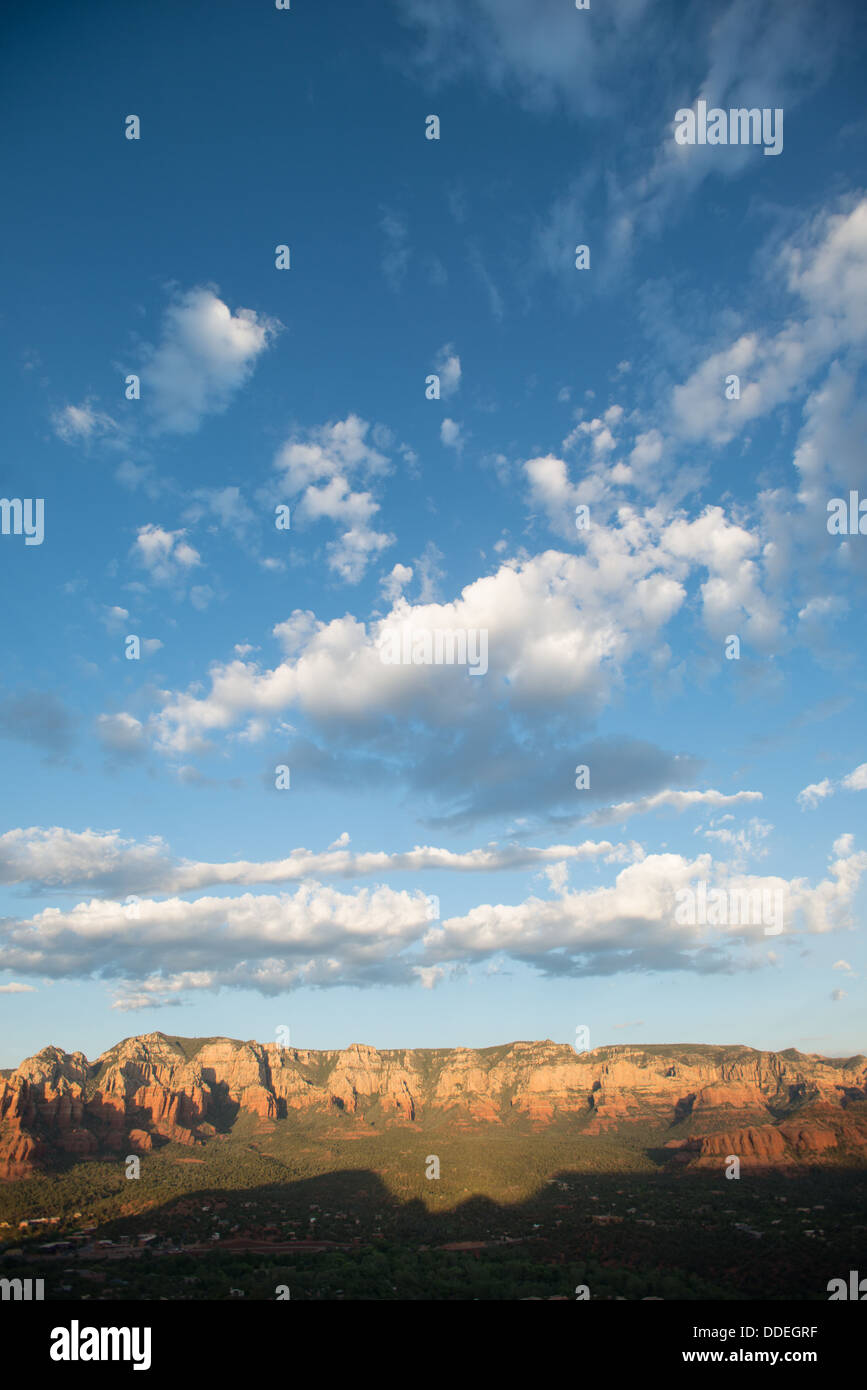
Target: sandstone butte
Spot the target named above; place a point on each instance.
(769, 1108)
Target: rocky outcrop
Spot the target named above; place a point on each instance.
(791, 1143)
(765, 1107)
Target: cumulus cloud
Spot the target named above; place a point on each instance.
(562, 631)
(317, 470)
(205, 354)
(766, 561)
(55, 857)
(734, 595)
(560, 627)
(733, 599)
(166, 555)
(810, 796)
(633, 925)
(321, 937)
(856, 781)
(269, 943)
(394, 583)
(597, 432)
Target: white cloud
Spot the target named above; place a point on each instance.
(645, 457)
(428, 572)
(447, 365)
(845, 967)
(166, 555)
(14, 988)
(733, 595)
(560, 627)
(554, 494)
(810, 797)
(856, 781)
(81, 423)
(670, 798)
(318, 936)
(319, 468)
(450, 434)
(336, 449)
(733, 600)
(429, 975)
(818, 610)
(633, 923)
(393, 584)
(597, 432)
(54, 856)
(827, 272)
(205, 354)
(557, 876)
(747, 842)
(350, 555)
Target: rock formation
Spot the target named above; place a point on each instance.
(766, 1107)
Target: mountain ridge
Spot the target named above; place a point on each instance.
(769, 1108)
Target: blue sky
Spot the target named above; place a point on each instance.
(152, 874)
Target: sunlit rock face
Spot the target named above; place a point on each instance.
(768, 1108)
